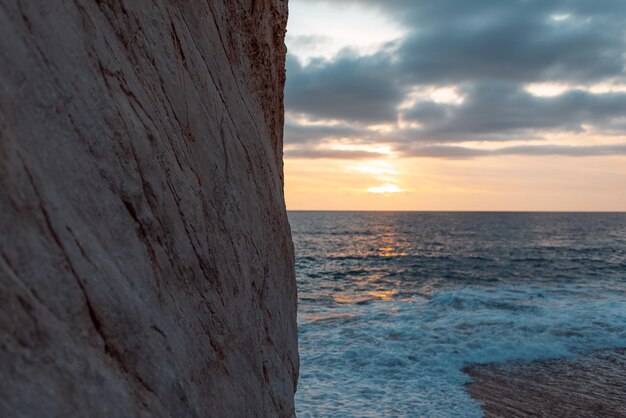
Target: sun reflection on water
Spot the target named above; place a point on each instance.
(384, 294)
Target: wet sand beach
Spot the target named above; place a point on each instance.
(593, 385)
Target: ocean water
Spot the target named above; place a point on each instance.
(392, 306)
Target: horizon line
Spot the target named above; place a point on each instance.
(458, 211)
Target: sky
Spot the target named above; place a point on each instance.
(456, 105)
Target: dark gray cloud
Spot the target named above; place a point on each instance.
(332, 154)
(489, 49)
(512, 40)
(349, 88)
(314, 133)
(456, 152)
(511, 50)
(510, 111)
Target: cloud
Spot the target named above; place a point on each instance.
(308, 41)
(351, 87)
(457, 152)
(332, 154)
(488, 51)
(454, 152)
(509, 40)
(300, 133)
(512, 112)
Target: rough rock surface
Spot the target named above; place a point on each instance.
(593, 385)
(146, 263)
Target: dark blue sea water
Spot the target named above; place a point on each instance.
(394, 305)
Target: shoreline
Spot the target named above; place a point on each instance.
(590, 385)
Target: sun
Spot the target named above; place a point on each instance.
(387, 188)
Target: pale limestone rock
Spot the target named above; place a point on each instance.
(146, 263)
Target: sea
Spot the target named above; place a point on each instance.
(393, 305)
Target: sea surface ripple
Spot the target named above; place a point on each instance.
(393, 305)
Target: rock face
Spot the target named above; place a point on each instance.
(146, 263)
(591, 385)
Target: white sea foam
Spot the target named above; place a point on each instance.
(405, 357)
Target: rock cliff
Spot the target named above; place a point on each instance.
(146, 263)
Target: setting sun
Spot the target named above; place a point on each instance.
(385, 189)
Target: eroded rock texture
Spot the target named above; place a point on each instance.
(146, 264)
(591, 386)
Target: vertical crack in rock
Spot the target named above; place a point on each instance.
(146, 264)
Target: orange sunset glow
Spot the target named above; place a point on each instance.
(365, 131)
